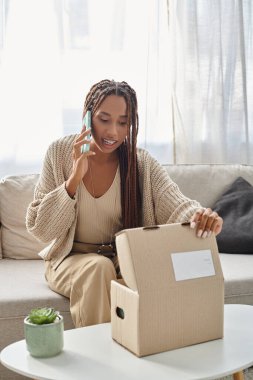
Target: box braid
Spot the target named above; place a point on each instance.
(130, 191)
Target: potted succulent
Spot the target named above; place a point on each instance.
(44, 332)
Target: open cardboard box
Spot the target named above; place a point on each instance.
(174, 289)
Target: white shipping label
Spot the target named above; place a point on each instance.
(193, 264)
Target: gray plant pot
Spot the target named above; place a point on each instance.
(44, 340)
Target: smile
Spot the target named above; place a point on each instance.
(109, 142)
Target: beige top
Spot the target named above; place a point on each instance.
(52, 215)
(98, 219)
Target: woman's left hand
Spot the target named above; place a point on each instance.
(206, 222)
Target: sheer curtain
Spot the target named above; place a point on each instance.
(190, 62)
(52, 51)
(211, 44)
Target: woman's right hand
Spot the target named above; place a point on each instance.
(80, 163)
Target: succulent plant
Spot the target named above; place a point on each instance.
(43, 315)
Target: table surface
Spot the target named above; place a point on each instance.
(91, 353)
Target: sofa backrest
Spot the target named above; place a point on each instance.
(16, 192)
(206, 183)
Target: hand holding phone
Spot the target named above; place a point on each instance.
(87, 124)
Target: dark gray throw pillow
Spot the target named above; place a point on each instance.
(236, 208)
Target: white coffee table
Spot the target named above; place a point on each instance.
(90, 353)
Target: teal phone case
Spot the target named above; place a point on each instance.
(87, 123)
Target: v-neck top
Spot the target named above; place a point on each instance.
(100, 218)
(52, 215)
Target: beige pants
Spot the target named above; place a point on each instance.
(86, 280)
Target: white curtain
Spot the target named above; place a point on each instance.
(211, 44)
(52, 51)
(190, 62)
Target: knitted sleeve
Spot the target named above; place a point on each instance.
(171, 206)
(52, 211)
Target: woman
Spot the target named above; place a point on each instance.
(82, 199)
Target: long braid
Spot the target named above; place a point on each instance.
(130, 191)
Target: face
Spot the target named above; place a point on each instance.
(110, 123)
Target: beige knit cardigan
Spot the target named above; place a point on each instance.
(52, 215)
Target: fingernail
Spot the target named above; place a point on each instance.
(209, 233)
(204, 235)
(199, 233)
(193, 225)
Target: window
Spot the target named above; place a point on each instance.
(53, 51)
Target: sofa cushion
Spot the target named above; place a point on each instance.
(16, 192)
(24, 287)
(235, 206)
(206, 183)
(1, 242)
(238, 275)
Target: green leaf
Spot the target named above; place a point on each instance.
(43, 315)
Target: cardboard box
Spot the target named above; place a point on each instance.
(174, 292)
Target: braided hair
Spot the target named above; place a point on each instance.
(130, 192)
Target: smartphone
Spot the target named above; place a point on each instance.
(87, 124)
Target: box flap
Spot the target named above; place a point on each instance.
(148, 257)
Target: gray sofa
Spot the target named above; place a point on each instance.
(22, 282)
